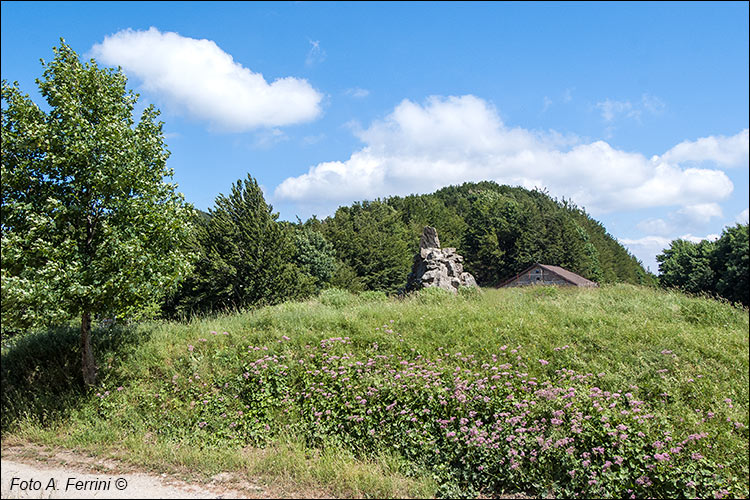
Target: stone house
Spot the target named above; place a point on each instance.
(541, 274)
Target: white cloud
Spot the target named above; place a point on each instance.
(700, 213)
(688, 217)
(610, 109)
(658, 227)
(309, 140)
(742, 217)
(199, 79)
(266, 139)
(724, 151)
(698, 239)
(547, 104)
(647, 248)
(450, 140)
(316, 54)
(652, 104)
(647, 242)
(357, 92)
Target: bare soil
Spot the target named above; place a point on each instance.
(46, 472)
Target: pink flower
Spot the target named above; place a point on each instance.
(543, 362)
(190, 347)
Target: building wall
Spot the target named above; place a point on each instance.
(538, 276)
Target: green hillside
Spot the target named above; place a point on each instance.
(498, 229)
(594, 393)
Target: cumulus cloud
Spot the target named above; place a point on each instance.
(700, 213)
(199, 79)
(724, 151)
(688, 217)
(419, 148)
(742, 217)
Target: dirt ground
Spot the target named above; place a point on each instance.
(31, 471)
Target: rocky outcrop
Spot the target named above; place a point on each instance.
(433, 266)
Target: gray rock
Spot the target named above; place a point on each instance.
(436, 267)
(429, 238)
(469, 280)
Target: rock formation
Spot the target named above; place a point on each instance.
(437, 267)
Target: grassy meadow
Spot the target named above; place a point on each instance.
(620, 391)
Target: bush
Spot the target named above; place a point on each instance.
(479, 423)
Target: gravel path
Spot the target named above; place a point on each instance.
(21, 480)
(28, 470)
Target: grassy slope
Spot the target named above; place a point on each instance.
(687, 356)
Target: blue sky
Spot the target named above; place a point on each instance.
(638, 112)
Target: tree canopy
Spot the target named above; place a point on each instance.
(715, 268)
(89, 225)
(499, 230)
(245, 257)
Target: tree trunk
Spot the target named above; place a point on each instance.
(88, 363)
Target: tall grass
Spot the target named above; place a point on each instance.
(201, 394)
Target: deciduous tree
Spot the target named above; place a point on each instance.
(89, 225)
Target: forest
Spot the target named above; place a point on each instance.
(247, 257)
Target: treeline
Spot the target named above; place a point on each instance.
(717, 268)
(245, 256)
